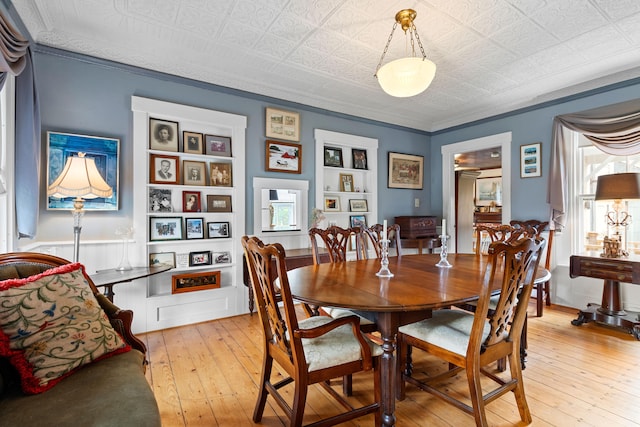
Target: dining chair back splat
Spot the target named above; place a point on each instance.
(374, 234)
(498, 233)
(336, 240)
(310, 351)
(471, 341)
(542, 293)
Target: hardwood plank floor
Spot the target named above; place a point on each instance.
(207, 375)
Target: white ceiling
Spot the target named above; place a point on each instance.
(493, 56)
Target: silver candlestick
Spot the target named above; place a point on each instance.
(384, 260)
(443, 252)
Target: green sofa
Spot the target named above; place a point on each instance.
(110, 392)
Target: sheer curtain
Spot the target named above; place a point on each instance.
(15, 59)
(614, 129)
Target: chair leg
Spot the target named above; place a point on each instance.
(347, 385)
(475, 390)
(518, 391)
(547, 293)
(299, 400)
(263, 393)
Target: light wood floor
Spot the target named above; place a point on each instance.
(206, 375)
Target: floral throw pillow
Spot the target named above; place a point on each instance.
(51, 324)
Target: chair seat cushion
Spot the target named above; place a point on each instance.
(335, 347)
(448, 329)
(343, 312)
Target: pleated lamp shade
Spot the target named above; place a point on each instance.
(80, 178)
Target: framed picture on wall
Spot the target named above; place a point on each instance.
(163, 135)
(164, 169)
(282, 124)
(530, 156)
(405, 171)
(195, 173)
(105, 154)
(283, 157)
(192, 142)
(489, 191)
(191, 201)
(190, 282)
(217, 145)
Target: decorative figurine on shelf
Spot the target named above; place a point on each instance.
(317, 216)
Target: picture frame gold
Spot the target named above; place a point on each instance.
(346, 182)
(281, 124)
(191, 282)
(194, 172)
(405, 171)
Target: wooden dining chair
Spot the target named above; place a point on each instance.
(471, 341)
(310, 351)
(485, 235)
(542, 293)
(374, 235)
(337, 241)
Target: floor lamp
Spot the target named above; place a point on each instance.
(80, 179)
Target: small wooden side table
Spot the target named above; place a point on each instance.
(613, 271)
(108, 278)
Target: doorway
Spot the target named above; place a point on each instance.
(502, 140)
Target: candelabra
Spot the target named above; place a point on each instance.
(384, 259)
(443, 252)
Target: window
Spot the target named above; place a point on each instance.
(591, 216)
(280, 206)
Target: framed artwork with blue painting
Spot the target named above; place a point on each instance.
(104, 151)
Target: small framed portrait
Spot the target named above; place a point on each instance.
(199, 258)
(358, 221)
(346, 182)
(218, 230)
(194, 228)
(358, 205)
(218, 203)
(164, 169)
(283, 157)
(282, 124)
(192, 142)
(160, 200)
(530, 163)
(332, 204)
(191, 282)
(163, 135)
(359, 159)
(194, 173)
(333, 157)
(191, 201)
(221, 257)
(405, 171)
(220, 174)
(165, 228)
(162, 259)
(217, 145)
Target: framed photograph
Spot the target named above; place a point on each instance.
(192, 142)
(405, 171)
(489, 191)
(358, 205)
(163, 135)
(359, 158)
(162, 259)
(358, 221)
(191, 201)
(105, 153)
(165, 228)
(332, 204)
(333, 157)
(194, 228)
(200, 258)
(221, 257)
(218, 203)
(220, 174)
(530, 160)
(217, 145)
(160, 200)
(194, 173)
(283, 157)
(191, 282)
(282, 124)
(164, 169)
(218, 230)
(346, 182)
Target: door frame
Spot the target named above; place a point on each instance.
(502, 140)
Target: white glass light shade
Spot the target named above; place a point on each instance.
(80, 178)
(406, 77)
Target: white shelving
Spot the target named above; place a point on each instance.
(365, 184)
(153, 302)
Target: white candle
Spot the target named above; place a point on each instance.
(384, 230)
(444, 226)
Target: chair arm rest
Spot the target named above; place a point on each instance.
(121, 321)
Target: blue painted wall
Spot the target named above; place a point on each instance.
(87, 96)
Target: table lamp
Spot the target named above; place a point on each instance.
(80, 179)
(618, 187)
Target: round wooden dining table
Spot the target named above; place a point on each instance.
(417, 288)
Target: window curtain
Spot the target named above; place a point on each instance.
(15, 59)
(614, 129)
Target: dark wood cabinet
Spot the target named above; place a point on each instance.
(487, 217)
(612, 271)
(418, 232)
